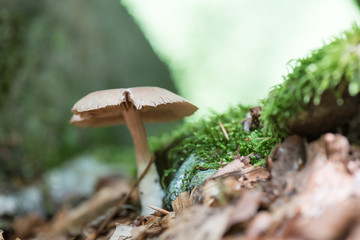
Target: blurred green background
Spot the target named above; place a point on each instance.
(52, 54)
(222, 52)
(214, 53)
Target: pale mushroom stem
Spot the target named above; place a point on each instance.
(138, 133)
(150, 190)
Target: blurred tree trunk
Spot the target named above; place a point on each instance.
(52, 54)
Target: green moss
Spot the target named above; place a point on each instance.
(206, 140)
(334, 67)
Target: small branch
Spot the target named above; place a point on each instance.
(121, 203)
(224, 131)
(160, 210)
(238, 153)
(221, 162)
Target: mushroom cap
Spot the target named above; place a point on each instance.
(79, 121)
(104, 108)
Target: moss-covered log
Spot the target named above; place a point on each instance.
(206, 147)
(321, 93)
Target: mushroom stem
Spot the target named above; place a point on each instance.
(138, 133)
(150, 190)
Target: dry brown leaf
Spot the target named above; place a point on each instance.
(355, 233)
(217, 192)
(201, 222)
(336, 222)
(198, 222)
(77, 218)
(254, 174)
(151, 226)
(259, 225)
(27, 226)
(139, 233)
(315, 203)
(245, 208)
(234, 166)
(153, 222)
(122, 231)
(227, 182)
(181, 202)
(288, 157)
(337, 147)
(326, 176)
(167, 220)
(209, 192)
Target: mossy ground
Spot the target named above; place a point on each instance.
(335, 67)
(206, 140)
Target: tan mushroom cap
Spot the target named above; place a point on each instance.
(104, 108)
(79, 121)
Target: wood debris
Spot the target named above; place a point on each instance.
(224, 131)
(182, 202)
(159, 210)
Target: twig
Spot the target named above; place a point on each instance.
(224, 131)
(160, 210)
(221, 162)
(238, 152)
(121, 203)
(240, 172)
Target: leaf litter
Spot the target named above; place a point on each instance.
(308, 190)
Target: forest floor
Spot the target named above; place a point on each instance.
(308, 190)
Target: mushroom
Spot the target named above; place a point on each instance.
(133, 106)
